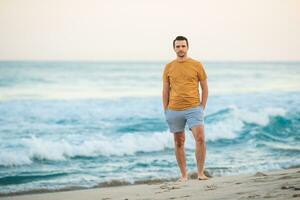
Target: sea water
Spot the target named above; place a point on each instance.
(85, 124)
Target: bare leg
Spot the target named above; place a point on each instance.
(179, 139)
(198, 132)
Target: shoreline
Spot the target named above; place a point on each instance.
(275, 184)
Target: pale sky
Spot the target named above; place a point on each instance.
(137, 30)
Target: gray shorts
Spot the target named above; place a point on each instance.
(177, 119)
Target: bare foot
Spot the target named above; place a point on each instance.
(202, 177)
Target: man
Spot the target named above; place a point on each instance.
(181, 101)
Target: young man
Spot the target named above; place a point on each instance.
(181, 101)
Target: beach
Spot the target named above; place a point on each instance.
(84, 125)
(276, 184)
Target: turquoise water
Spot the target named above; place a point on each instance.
(83, 124)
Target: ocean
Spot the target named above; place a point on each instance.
(69, 124)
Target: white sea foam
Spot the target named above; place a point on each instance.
(231, 123)
(9, 158)
(47, 149)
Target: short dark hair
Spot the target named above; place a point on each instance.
(181, 38)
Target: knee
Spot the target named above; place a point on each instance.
(200, 139)
(179, 142)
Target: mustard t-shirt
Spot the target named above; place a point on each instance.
(184, 80)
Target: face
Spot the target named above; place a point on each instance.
(181, 48)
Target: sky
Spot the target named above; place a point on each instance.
(143, 30)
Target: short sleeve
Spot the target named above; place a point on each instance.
(201, 72)
(165, 74)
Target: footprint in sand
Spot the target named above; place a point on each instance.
(167, 187)
(260, 174)
(285, 177)
(253, 196)
(286, 186)
(184, 196)
(210, 187)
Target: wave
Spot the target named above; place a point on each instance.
(230, 124)
(35, 148)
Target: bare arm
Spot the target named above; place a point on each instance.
(165, 94)
(204, 95)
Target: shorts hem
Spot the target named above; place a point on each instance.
(198, 124)
(176, 131)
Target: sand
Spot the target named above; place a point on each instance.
(278, 184)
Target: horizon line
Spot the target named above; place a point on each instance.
(146, 61)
